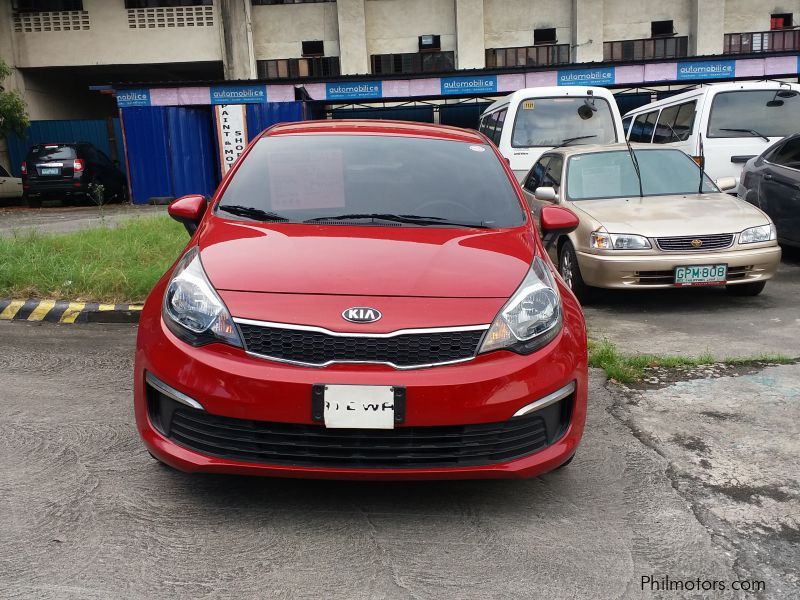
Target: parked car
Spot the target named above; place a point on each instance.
(722, 124)
(672, 231)
(68, 171)
(771, 182)
(10, 187)
(363, 300)
(528, 122)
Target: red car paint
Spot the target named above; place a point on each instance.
(415, 276)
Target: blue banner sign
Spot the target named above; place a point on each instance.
(469, 85)
(126, 98)
(706, 69)
(238, 94)
(351, 90)
(598, 76)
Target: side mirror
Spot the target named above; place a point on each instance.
(726, 183)
(188, 210)
(557, 220)
(547, 194)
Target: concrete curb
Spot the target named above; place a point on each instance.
(61, 311)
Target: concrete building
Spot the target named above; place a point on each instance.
(409, 48)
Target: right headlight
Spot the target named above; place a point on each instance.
(532, 316)
(618, 241)
(763, 233)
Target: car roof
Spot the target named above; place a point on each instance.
(376, 127)
(593, 148)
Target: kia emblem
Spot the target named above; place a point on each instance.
(361, 314)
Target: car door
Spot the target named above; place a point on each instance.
(779, 189)
(10, 187)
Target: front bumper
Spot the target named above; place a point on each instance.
(656, 270)
(241, 391)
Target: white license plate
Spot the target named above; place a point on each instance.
(701, 275)
(359, 407)
(50, 171)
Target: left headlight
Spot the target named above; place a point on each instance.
(193, 310)
(762, 233)
(531, 318)
(603, 240)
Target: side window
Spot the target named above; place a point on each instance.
(552, 176)
(665, 127)
(787, 155)
(536, 174)
(637, 131)
(489, 125)
(684, 122)
(3, 172)
(501, 117)
(626, 125)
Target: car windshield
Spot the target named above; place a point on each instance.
(550, 121)
(52, 152)
(611, 174)
(369, 179)
(754, 113)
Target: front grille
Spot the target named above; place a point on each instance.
(314, 445)
(668, 277)
(684, 243)
(319, 348)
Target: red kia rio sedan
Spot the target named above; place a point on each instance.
(364, 300)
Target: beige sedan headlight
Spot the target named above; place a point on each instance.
(762, 233)
(603, 240)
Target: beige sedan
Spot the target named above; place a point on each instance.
(670, 231)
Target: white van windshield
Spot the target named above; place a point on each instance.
(552, 122)
(754, 113)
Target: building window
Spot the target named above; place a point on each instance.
(297, 68)
(23, 6)
(313, 48)
(270, 2)
(430, 43)
(544, 36)
(780, 21)
(165, 3)
(661, 28)
(646, 49)
(413, 62)
(158, 17)
(527, 56)
(780, 40)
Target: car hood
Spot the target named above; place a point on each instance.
(678, 215)
(365, 261)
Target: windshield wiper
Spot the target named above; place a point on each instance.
(750, 131)
(568, 141)
(251, 212)
(410, 219)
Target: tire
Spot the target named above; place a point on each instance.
(33, 202)
(746, 289)
(571, 274)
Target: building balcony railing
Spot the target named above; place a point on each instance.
(413, 62)
(646, 48)
(762, 41)
(296, 68)
(527, 56)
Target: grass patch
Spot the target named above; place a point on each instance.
(104, 264)
(626, 369)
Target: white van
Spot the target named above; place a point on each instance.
(728, 123)
(529, 122)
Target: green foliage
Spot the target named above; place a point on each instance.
(13, 113)
(106, 264)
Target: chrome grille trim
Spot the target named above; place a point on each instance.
(683, 243)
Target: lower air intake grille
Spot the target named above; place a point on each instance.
(319, 348)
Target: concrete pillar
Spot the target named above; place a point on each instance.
(470, 46)
(707, 27)
(587, 31)
(8, 54)
(353, 58)
(238, 57)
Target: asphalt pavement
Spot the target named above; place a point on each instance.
(88, 514)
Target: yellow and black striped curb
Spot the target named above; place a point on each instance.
(60, 311)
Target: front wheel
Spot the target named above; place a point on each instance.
(746, 289)
(571, 274)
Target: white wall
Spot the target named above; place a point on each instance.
(110, 41)
(746, 15)
(510, 23)
(629, 20)
(279, 30)
(394, 26)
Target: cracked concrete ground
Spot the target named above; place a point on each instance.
(87, 514)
